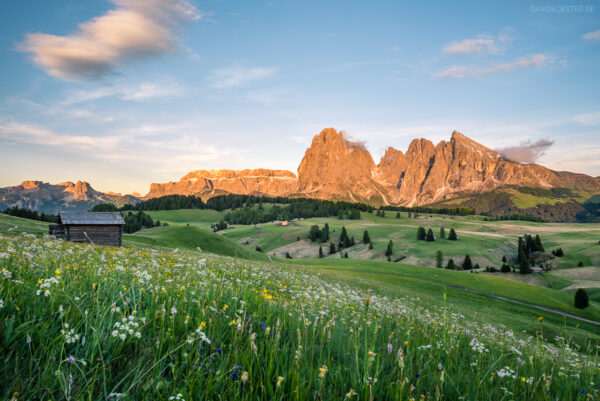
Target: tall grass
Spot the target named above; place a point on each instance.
(88, 323)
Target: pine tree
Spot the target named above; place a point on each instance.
(442, 233)
(452, 236)
(430, 237)
(397, 215)
(538, 243)
(288, 256)
(439, 259)
(258, 248)
(314, 233)
(451, 265)
(345, 255)
(366, 238)
(389, 251)
(370, 245)
(582, 299)
(467, 264)
(383, 213)
(321, 252)
(331, 248)
(325, 233)
(524, 266)
(344, 239)
(421, 234)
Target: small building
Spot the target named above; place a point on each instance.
(537, 270)
(99, 228)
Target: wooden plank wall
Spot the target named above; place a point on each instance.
(97, 234)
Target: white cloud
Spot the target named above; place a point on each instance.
(174, 146)
(530, 61)
(592, 35)
(238, 76)
(135, 29)
(588, 118)
(138, 92)
(480, 44)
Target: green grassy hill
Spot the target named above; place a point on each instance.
(190, 238)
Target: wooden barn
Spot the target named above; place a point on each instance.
(99, 228)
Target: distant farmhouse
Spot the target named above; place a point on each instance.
(99, 228)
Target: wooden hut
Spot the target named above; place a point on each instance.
(100, 228)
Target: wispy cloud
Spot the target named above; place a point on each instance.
(133, 30)
(592, 35)
(179, 151)
(480, 44)
(462, 71)
(238, 76)
(137, 92)
(588, 118)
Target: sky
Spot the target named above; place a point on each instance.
(122, 93)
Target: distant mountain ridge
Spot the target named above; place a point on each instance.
(47, 198)
(335, 168)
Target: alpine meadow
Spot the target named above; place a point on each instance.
(229, 200)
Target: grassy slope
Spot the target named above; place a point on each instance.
(190, 237)
(8, 224)
(391, 278)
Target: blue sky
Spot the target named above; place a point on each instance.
(123, 93)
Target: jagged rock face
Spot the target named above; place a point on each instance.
(48, 198)
(213, 182)
(335, 168)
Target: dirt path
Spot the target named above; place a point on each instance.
(516, 301)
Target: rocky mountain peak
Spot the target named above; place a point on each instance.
(30, 184)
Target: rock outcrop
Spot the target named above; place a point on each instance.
(207, 183)
(334, 168)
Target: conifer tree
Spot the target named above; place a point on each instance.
(390, 249)
(451, 265)
(430, 237)
(582, 299)
(331, 248)
(467, 264)
(452, 236)
(439, 259)
(325, 233)
(321, 252)
(397, 215)
(442, 233)
(366, 238)
(421, 233)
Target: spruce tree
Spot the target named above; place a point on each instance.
(321, 252)
(331, 248)
(370, 245)
(325, 233)
(467, 264)
(439, 259)
(397, 215)
(389, 251)
(582, 300)
(538, 243)
(452, 236)
(524, 266)
(442, 233)
(421, 234)
(430, 237)
(345, 255)
(314, 233)
(366, 238)
(451, 265)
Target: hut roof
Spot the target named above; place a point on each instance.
(91, 218)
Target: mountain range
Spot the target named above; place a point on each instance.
(336, 168)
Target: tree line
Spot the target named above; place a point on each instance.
(30, 214)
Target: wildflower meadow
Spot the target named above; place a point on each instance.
(80, 322)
